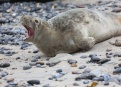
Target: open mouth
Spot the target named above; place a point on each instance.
(30, 30)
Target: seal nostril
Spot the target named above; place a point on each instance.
(36, 21)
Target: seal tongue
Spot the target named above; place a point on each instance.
(30, 31)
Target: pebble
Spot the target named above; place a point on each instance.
(71, 61)
(76, 84)
(38, 65)
(98, 78)
(85, 76)
(92, 55)
(34, 60)
(47, 85)
(85, 81)
(82, 67)
(40, 62)
(106, 83)
(10, 80)
(32, 63)
(26, 67)
(4, 73)
(73, 65)
(32, 82)
(84, 56)
(94, 59)
(57, 75)
(117, 71)
(102, 61)
(35, 51)
(4, 65)
(87, 70)
(59, 70)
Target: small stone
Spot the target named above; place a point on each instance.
(59, 70)
(26, 67)
(4, 65)
(35, 51)
(117, 71)
(17, 58)
(34, 60)
(32, 63)
(94, 59)
(85, 76)
(82, 67)
(47, 85)
(0, 76)
(40, 62)
(106, 83)
(73, 65)
(108, 56)
(4, 73)
(32, 82)
(10, 80)
(102, 61)
(71, 61)
(57, 75)
(98, 78)
(84, 56)
(43, 66)
(87, 70)
(85, 81)
(92, 55)
(38, 65)
(76, 84)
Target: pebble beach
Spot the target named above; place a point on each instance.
(23, 65)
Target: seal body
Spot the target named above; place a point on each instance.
(73, 30)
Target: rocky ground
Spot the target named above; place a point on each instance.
(22, 65)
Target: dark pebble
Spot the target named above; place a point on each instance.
(85, 81)
(4, 65)
(92, 55)
(94, 59)
(85, 76)
(32, 82)
(26, 67)
(102, 61)
(106, 83)
(59, 70)
(4, 73)
(82, 67)
(117, 71)
(35, 51)
(71, 61)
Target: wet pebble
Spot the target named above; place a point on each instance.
(59, 70)
(71, 61)
(82, 67)
(4, 65)
(117, 71)
(85, 76)
(32, 82)
(26, 67)
(10, 80)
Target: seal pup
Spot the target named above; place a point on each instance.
(71, 31)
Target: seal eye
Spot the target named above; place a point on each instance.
(36, 21)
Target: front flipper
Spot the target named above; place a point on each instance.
(85, 43)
